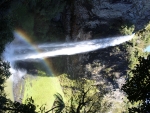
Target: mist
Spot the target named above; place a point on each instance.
(26, 52)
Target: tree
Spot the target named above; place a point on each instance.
(138, 86)
(6, 105)
(86, 103)
(78, 104)
(81, 96)
(58, 105)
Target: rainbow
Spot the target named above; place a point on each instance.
(28, 40)
(52, 89)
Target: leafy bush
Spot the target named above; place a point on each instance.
(127, 30)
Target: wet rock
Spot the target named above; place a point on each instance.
(97, 15)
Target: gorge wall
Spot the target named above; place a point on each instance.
(98, 15)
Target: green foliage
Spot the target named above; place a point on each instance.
(127, 30)
(81, 95)
(58, 105)
(7, 105)
(16, 107)
(138, 86)
(28, 107)
(41, 83)
(4, 73)
(144, 37)
(107, 70)
(135, 48)
(9, 89)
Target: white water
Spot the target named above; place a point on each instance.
(23, 52)
(19, 50)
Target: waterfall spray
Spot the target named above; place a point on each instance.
(24, 52)
(21, 50)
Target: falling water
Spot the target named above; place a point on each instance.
(18, 51)
(22, 51)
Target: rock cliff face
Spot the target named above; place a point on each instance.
(135, 11)
(88, 19)
(100, 13)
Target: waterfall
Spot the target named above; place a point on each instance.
(18, 51)
(24, 51)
